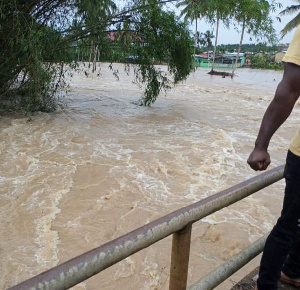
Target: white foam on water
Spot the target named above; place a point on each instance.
(103, 166)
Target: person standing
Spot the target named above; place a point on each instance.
(281, 255)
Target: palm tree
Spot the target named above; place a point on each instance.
(190, 13)
(254, 16)
(93, 13)
(222, 12)
(194, 10)
(206, 39)
(294, 22)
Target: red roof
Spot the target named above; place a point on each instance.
(203, 55)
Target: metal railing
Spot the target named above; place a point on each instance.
(220, 274)
(179, 223)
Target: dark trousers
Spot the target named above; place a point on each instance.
(282, 249)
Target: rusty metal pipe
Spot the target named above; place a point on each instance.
(88, 264)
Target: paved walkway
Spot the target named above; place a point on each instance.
(249, 282)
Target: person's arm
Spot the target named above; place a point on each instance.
(280, 108)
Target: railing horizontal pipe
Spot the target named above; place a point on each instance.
(88, 264)
(220, 274)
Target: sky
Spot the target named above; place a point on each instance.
(232, 36)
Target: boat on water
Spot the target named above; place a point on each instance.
(226, 60)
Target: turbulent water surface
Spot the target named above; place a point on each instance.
(102, 166)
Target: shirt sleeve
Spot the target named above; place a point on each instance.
(293, 53)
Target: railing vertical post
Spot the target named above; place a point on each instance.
(180, 258)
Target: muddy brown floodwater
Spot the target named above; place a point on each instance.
(102, 166)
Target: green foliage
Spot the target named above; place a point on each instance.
(248, 47)
(256, 16)
(294, 22)
(265, 61)
(160, 37)
(193, 10)
(38, 37)
(25, 44)
(206, 38)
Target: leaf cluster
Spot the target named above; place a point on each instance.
(160, 38)
(38, 37)
(27, 78)
(294, 22)
(265, 61)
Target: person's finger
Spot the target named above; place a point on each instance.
(254, 165)
(260, 165)
(267, 163)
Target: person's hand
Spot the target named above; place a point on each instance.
(259, 159)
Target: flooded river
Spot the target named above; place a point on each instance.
(102, 166)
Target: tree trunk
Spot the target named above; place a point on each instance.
(240, 47)
(95, 58)
(196, 33)
(91, 53)
(216, 41)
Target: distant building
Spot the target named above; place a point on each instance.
(283, 46)
(226, 60)
(279, 56)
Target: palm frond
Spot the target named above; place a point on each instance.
(291, 25)
(290, 10)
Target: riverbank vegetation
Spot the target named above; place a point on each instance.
(41, 42)
(265, 61)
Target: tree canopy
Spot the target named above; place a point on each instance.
(42, 40)
(38, 38)
(295, 21)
